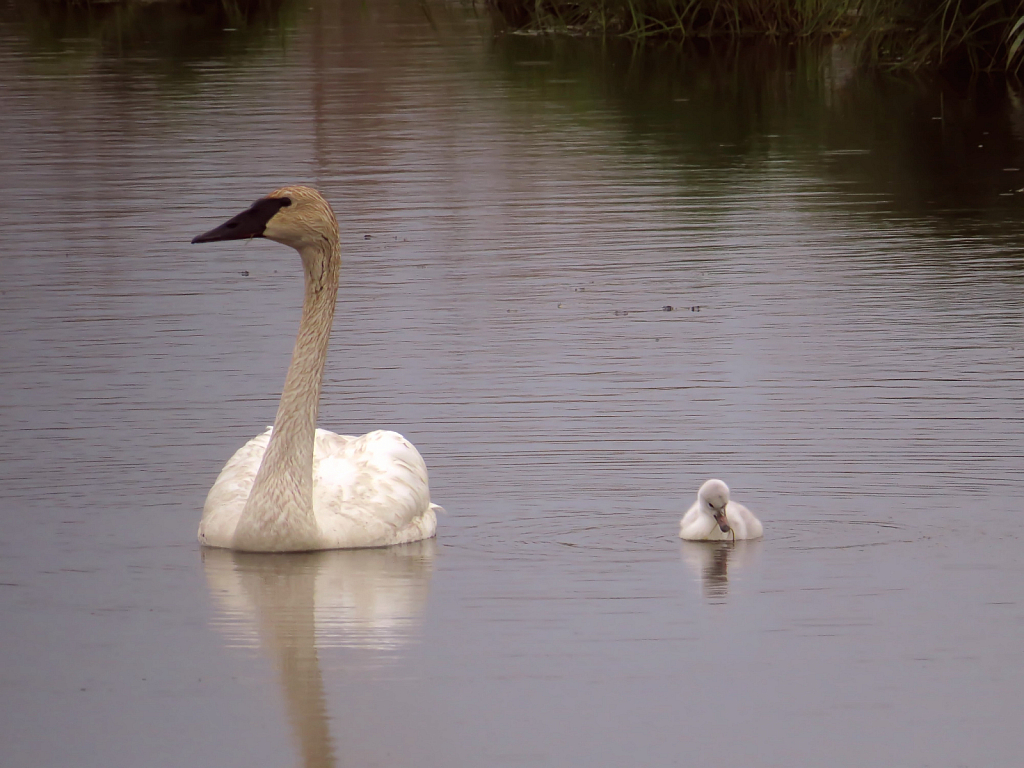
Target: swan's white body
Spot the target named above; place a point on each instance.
(296, 487)
(368, 491)
(702, 521)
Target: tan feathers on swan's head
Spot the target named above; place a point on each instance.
(306, 221)
(296, 216)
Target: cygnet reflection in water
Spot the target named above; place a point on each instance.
(292, 605)
(711, 561)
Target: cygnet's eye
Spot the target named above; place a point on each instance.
(285, 201)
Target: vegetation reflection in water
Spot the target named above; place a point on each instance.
(932, 151)
(166, 36)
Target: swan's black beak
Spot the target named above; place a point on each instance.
(249, 223)
(720, 519)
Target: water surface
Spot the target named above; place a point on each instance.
(582, 280)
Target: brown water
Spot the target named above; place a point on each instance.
(845, 346)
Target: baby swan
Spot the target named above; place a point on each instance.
(295, 487)
(714, 518)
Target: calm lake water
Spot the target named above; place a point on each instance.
(582, 279)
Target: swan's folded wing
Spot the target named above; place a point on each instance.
(744, 521)
(226, 499)
(367, 488)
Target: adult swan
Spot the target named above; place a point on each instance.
(295, 487)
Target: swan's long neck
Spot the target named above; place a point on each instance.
(278, 514)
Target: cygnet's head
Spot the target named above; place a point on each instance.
(297, 216)
(713, 497)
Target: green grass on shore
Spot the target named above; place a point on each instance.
(976, 35)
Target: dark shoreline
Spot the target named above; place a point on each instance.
(948, 36)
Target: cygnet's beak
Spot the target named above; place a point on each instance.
(720, 519)
(251, 222)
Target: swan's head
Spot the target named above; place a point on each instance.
(296, 216)
(713, 497)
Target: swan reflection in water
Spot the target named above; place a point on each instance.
(711, 561)
(292, 605)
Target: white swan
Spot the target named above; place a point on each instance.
(295, 487)
(714, 518)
